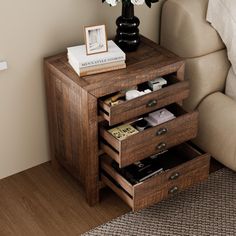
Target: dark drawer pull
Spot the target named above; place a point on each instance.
(173, 190)
(152, 103)
(174, 176)
(161, 146)
(162, 131)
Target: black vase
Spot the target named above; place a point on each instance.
(127, 34)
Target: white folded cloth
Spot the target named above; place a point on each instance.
(222, 15)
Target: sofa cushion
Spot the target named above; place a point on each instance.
(206, 75)
(185, 31)
(226, 26)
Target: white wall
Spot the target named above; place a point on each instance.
(29, 31)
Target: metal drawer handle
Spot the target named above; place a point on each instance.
(161, 146)
(152, 103)
(174, 176)
(173, 190)
(162, 131)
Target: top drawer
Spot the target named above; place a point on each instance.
(175, 91)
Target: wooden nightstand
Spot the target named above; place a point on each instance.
(79, 120)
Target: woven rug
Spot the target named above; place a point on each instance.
(206, 209)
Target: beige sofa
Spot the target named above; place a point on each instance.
(185, 32)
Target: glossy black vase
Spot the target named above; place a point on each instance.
(127, 34)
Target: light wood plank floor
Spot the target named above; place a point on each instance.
(42, 201)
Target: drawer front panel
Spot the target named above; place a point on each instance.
(151, 197)
(152, 140)
(172, 176)
(144, 104)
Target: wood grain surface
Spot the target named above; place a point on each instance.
(72, 104)
(45, 202)
(147, 63)
(175, 92)
(42, 201)
(143, 144)
(72, 117)
(76, 111)
(157, 188)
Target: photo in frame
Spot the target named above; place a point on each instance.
(95, 39)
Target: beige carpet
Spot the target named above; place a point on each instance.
(206, 209)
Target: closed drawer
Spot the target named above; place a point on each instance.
(193, 169)
(176, 91)
(152, 140)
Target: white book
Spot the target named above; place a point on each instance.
(98, 68)
(73, 63)
(79, 56)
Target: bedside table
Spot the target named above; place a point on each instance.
(79, 121)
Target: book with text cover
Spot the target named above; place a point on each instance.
(98, 68)
(81, 59)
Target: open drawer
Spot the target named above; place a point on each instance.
(193, 168)
(175, 91)
(152, 140)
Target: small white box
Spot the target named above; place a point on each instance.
(157, 84)
(160, 116)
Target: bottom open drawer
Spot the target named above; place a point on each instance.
(192, 169)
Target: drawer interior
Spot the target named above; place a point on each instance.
(175, 91)
(182, 167)
(182, 128)
(175, 108)
(171, 80)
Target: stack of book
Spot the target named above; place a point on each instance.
(84, 64)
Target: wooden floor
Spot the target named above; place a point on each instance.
(42, 201)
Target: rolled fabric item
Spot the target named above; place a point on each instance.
(141, 125)
(147, 91)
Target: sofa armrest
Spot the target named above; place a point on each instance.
(206, 75)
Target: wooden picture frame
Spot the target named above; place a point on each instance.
(95, 39)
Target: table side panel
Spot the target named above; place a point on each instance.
(73, 130)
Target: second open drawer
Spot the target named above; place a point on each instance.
(152, 140)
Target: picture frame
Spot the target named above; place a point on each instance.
(95, 39)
